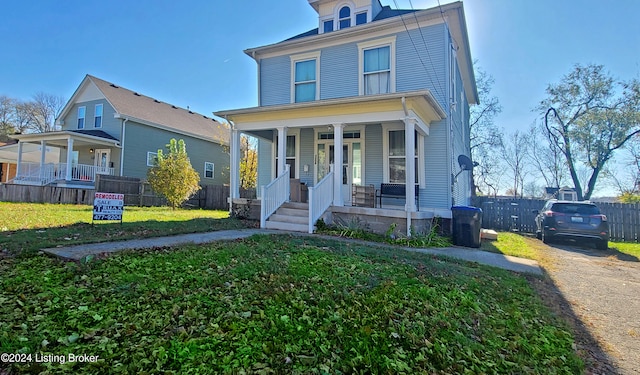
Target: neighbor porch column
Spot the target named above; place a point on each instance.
(234, 182)
(410, 168)
(18, 166)
(282, 149)
(43, 154)
(69, 158)
(337, 168)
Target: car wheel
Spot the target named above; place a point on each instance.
(602, 244)
(545, 237)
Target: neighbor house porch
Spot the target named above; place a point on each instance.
(64, 158)
(333, 146)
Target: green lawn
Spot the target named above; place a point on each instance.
(278, 304)
(28, 227)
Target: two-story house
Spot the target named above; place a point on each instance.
(383, 94)
(108, 129)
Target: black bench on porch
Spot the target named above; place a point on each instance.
(396, 191)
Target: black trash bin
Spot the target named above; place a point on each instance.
(467, 223)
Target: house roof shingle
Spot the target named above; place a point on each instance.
(154, 112)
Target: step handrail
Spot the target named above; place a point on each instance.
(274, 195)
(320, 198)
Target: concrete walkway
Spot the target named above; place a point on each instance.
(472, 255)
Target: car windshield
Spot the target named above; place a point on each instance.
(575, 208)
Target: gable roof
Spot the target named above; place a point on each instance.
(152, 112)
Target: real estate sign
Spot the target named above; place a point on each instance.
(108, 206)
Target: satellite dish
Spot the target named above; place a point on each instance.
(465, 163)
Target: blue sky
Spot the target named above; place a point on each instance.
(189, 52)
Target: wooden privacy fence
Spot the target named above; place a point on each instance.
(45, 194)
(509, 214)
(136, 193)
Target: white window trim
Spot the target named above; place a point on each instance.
(296, 133)
(149, 153)
(384, 42)
(95, 115)
(300, 58)
(84, 118)
(213, 170)
(421, 178)
(453, 76)
(335, 16)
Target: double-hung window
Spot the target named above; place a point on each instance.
(97, 119)
(82, 111)
(290, 155)
(208, 169)
(377, 67)
(396, 153)
(305, 72)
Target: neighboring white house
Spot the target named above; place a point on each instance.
(355, 92)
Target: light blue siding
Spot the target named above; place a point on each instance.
(421, 62)
(339, 71)
(373, 155)
(437, 192)
(306, 155)
(265, 162)
(275, 85)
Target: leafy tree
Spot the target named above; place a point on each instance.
(485, 137)
(248, 163)
(588, 116)
(172, 176)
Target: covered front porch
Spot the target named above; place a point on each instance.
(333, 146)
(64, 158)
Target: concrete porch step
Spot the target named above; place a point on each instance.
(296, 205)
(294, 219)
(287, 226)
(284, 211)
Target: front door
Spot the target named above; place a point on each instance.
(351, 165)
(103, 158)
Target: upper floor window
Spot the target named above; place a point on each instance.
(327, 26)
(377, 66)
(361, 18)
(344, 17)
(305, 86)
(377, 70)
(81, 115)
(97, 120)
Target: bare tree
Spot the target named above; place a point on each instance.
(514, 151)
(42, 112)
(7, 106)
(588, 116)
(485, 137)
(545, 157)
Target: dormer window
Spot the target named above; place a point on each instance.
(344, 19)
(327, 26)
(361, 18)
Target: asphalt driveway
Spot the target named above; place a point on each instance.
(603, 290)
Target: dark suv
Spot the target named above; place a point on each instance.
(570, 219)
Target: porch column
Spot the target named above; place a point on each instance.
(234, 182)
(282, 149)
(43, 160)
(410, 168)
(18, 166)
(337, 161)
(69, 158)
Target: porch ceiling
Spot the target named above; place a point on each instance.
(60, 138)
(360, 109)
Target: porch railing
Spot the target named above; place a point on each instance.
(34, 174)
(320, 198)
(274, 195)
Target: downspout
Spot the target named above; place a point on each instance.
(124, 123)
